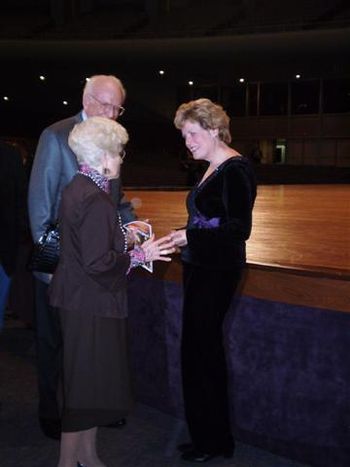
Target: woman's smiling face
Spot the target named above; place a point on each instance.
(198, 140)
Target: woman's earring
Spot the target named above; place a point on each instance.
(106, 171)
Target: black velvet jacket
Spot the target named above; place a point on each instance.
(220, 216)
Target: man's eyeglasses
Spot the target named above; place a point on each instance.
(118, 109)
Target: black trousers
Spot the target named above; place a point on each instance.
(207, 297)
(49, 353)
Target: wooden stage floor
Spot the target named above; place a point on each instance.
(298, 230)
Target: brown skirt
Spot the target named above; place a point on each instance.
(96, 380)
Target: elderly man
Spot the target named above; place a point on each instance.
(53, 168)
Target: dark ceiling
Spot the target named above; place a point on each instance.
(321, 51)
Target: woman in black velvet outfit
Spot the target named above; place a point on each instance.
(213, 255)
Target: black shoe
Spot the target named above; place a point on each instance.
(196, 456)
(118, 424)
(50, 427)
(185, 447)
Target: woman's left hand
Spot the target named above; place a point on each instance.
(156, 249)
(179, 237)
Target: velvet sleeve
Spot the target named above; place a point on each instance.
(98, 234)
(236, 194)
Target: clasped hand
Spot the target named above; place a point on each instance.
(158, 249)
(179, 237)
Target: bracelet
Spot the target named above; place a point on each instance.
(137, 257)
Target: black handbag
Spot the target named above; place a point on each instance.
(46, 251)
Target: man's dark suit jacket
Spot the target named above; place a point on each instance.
(13, 185)
(91, 274)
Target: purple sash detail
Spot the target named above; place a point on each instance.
(202, 222)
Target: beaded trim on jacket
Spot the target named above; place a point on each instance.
(122, 228)
(100, 180)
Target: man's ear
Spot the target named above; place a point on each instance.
(85, 100)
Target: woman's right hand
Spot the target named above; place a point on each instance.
(157, 250)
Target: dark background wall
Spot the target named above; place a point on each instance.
(294, 121)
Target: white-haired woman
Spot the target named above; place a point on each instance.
(89, 289)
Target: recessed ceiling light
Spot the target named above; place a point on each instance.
(65, 102)
(190, 83)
